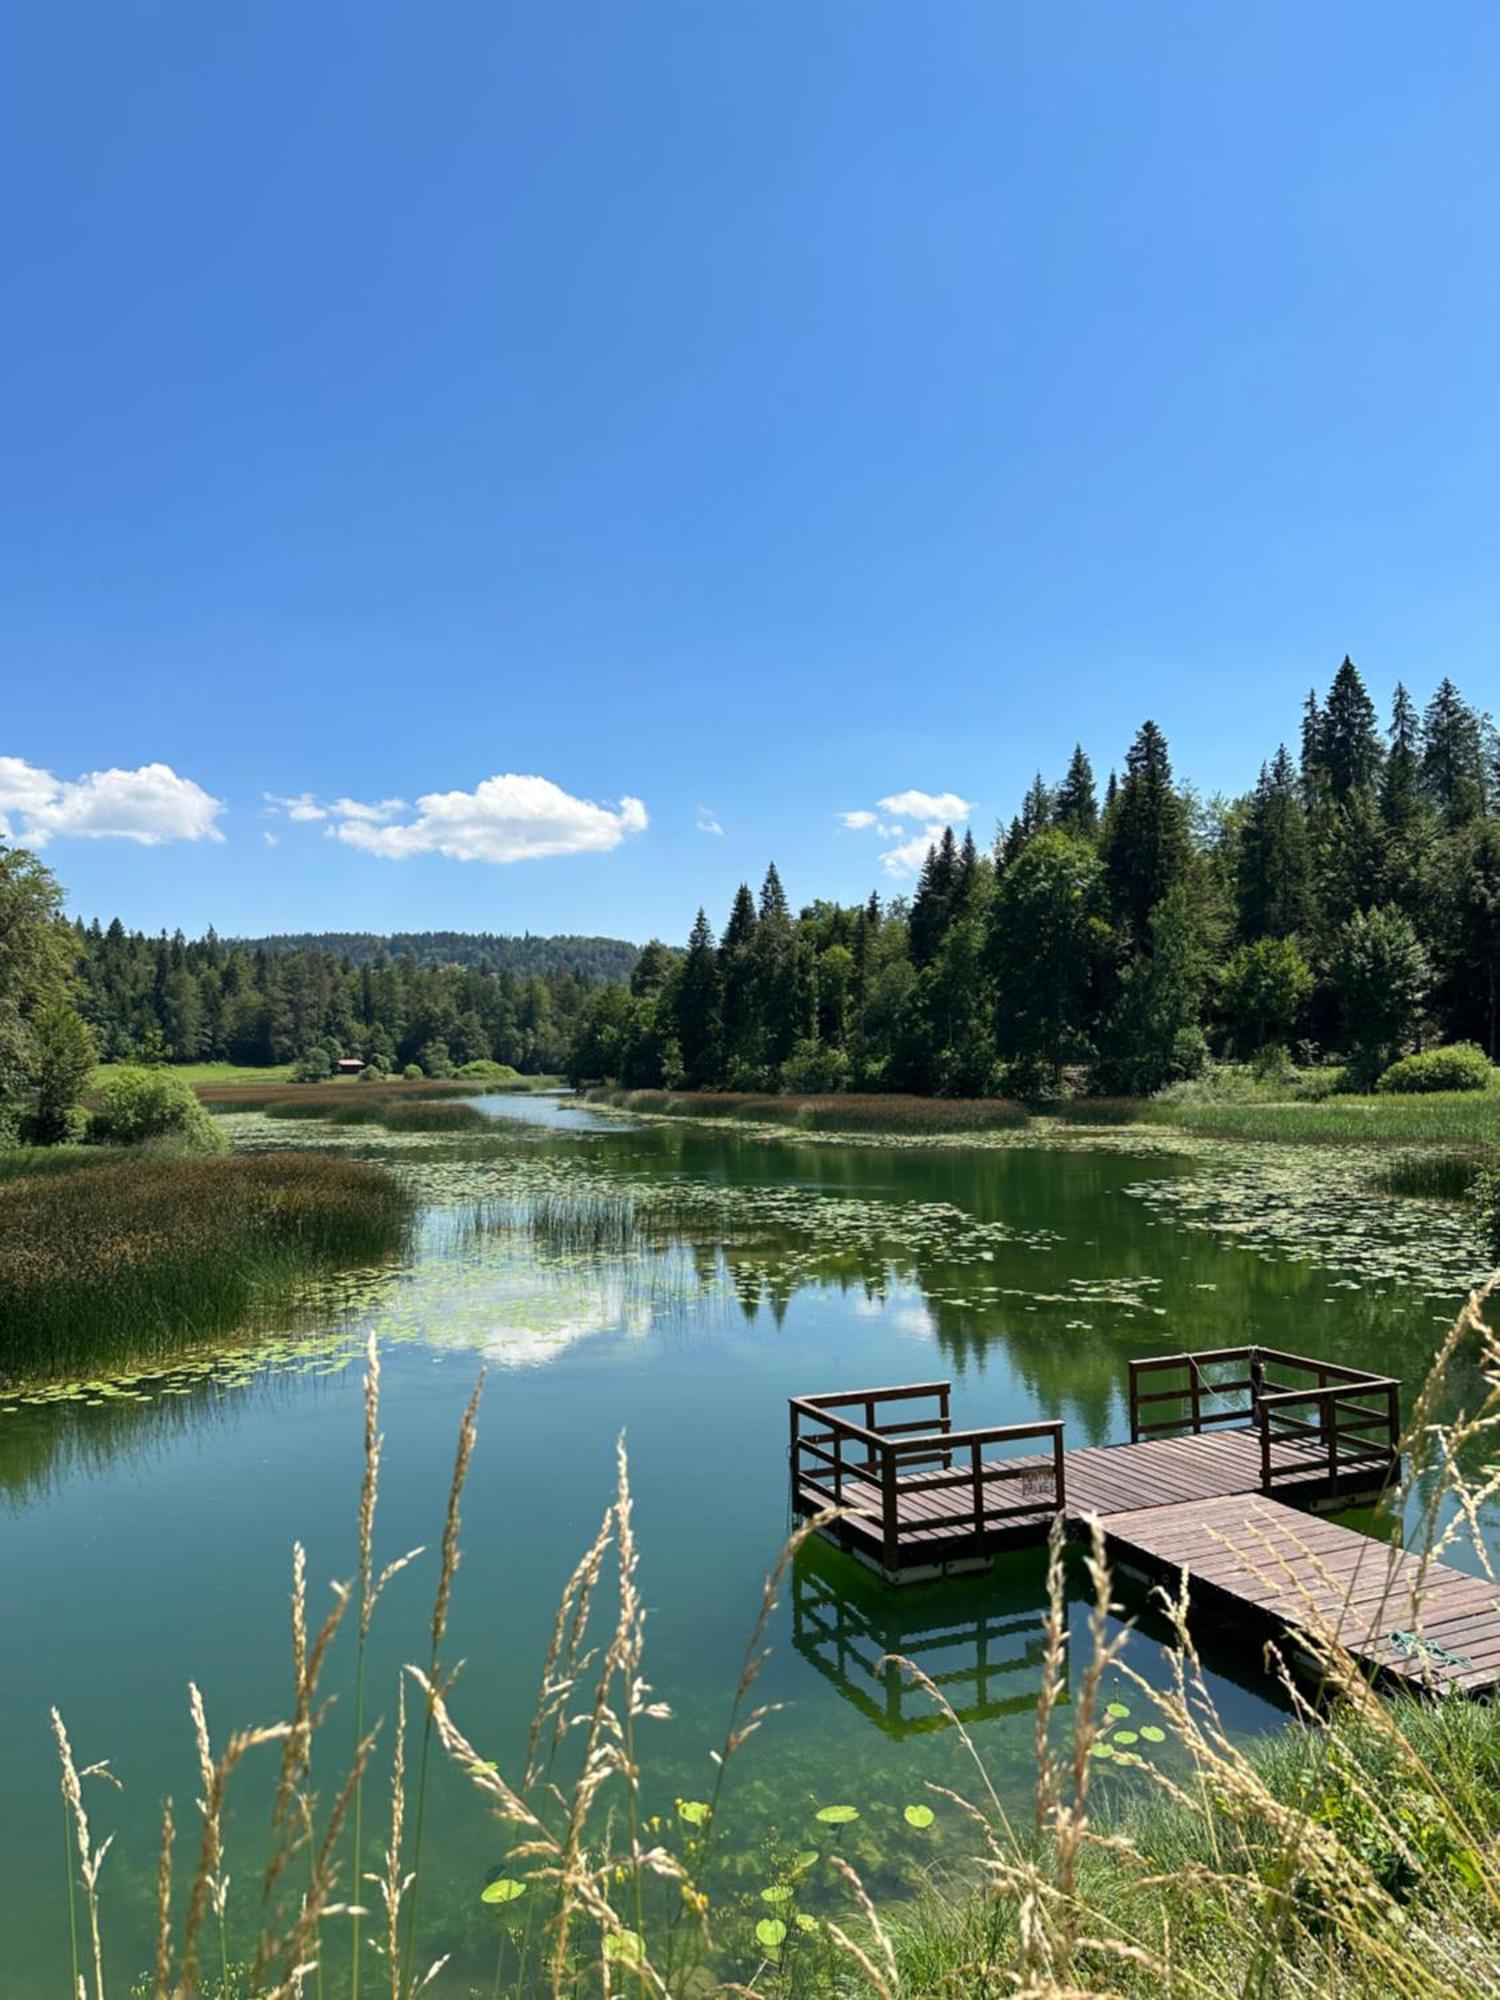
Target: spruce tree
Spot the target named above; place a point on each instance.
(698, 1010)
(1076, 810)
(932, 904)
(1274, 885)
(1400, 796)
(737, 980)
(1452, 766)
(1147, 850)
(1351, 748)
(1314, 764)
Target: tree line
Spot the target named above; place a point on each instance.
(161, 999)
(1347, 905)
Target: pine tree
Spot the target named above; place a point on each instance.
(1452, 766)
(1314, 765)
(737, 980)
(1400, 797)
(774, 983)
(1351, 749)
(1147, 849)
(1274, 877)
(698, 1010)
(931, 906)
(1076, 809)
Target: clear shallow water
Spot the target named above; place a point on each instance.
(674, 1284)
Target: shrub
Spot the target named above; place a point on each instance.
(814, 1067)
(314, 1067)
(1461, 1066)
(413, 1072)
(488, 1072)
(135, 1105)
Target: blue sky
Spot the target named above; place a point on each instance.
(610, 423)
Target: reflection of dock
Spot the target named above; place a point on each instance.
(987, 1661)
(1221, 1443)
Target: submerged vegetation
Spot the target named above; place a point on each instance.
(131, 1258)
(1356, 1855)
(848, 1112)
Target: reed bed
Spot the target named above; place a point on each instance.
(136, 1258)
(1357, 1857)
(1445, 1118)
(1440, 1173)
(851, 1111)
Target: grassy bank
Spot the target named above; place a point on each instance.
(1458, 1119)
(1356, 1855)
(1468, 1118)
(109, 1260)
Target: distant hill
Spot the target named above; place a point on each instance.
(479, 951)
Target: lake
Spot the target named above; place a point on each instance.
(672, 1284)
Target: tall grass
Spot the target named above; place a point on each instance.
(1449, 1118)
(137, 1257)
(1440, 1173)
(1358, 1856)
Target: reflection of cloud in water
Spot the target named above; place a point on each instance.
(503, 1303)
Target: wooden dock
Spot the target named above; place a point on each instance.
(1231, 1451)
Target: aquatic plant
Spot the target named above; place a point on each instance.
(850, 1111)
(140, 1257)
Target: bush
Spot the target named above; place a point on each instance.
(488, 1072)
(136, 1105)
(315, 1067)
(413, 1073)
(813, 1067)
(1462, 1066)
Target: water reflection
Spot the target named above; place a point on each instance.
(982, 1646)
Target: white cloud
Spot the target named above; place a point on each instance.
(907, 858)
(707, 823)
(375, 815)
(927, 806)
(935, 810)
(149, 806)
(271, 839)
(508, 817)
(304, 806)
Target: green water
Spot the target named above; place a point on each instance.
(674, 1284)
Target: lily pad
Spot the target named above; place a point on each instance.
(504, 1890)
(777, 1893)
(837, 1815)
(1117, 1711)
(919, 1815)
(1151, 1734)
(770, 1932)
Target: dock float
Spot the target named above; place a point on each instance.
(1233, 1452)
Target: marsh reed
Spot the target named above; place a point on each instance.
(1357, 1856)
(137, 1258)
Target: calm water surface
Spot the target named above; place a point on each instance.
(147, 1543)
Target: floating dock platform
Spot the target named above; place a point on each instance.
(1232, 1450)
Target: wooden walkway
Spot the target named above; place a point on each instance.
(1216, 1485)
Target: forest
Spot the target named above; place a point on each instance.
(435, 1000)
(1347, 906)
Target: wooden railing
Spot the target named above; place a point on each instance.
(883, 1469)
(1352, 1416)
